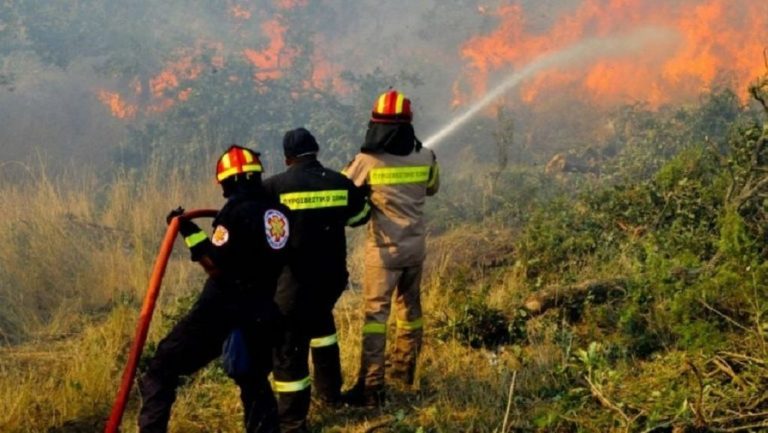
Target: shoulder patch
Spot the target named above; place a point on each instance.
(276, 227)
(220, 236)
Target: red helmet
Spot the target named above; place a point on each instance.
(392, 107)
(237, 160)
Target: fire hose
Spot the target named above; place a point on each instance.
(147, 309)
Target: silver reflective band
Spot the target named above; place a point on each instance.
(195, 239)
(363, 213)
(412, 325)
(328, 340)
(399, 175)
(314, 199)
(295, 386)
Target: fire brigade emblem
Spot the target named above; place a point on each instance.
(220, 236)
(276, 226)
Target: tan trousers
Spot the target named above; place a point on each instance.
(379, 285)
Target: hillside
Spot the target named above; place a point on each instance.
(672, 218)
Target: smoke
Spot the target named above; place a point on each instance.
(134, 61)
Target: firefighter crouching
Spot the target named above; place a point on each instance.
(243, 259)
(400, 174)
(322, 203)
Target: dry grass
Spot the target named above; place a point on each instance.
(78, 257)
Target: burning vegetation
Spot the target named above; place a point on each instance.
(597, 258)
(717, 43)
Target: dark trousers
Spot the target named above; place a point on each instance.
(197, 339)
(309, 325)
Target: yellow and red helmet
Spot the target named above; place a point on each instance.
(392, 107)
(237, 160)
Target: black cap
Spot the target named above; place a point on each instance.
(299, 141)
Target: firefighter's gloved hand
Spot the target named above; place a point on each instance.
(179, 211)
(186, 227)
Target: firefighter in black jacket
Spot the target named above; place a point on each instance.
(243, 259)
(322, 203)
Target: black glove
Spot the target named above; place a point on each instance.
(186, 227)
(179, 211)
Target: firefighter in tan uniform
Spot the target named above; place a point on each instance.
(400, 174)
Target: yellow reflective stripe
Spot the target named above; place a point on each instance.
(248, 156)
(225, 160)
(235, 170)
(399, 104)
(295, 386)
(433, 178)
(195, 239)
(363, 213)
(411, 326)
(399, 175)
(314, 199)
(375, 328)
(382, 103)
(328, 340)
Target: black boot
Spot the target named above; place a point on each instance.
(362, 396)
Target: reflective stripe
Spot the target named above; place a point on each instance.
(328, 340)
(433, 176)
(363, 213)
(314, 199)
(375, 328)
(195, 239)
(399, 175)
(411, 326)
(399, 103)
(382, 103)
(235, 170)
(295, 386)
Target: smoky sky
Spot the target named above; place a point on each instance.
(69, 50)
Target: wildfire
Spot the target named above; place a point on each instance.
(720, 42)
(275, 56)
(116, 104)
(240, 12)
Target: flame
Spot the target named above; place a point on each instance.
(271, 61)
(173, 83)
(174, 73)
(290, 4)
(719, 40)
(240, 12)
(116, 104)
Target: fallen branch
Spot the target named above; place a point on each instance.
(509, 402)
(556, 296)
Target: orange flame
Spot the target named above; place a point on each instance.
(116, 104)
(290, 4)
(719, 40)
(271, 61)
(171, 85)
(240, 12)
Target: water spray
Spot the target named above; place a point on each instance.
(584, 51)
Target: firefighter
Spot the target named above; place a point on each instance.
(322, 203)
(400, 174)
(243, 259)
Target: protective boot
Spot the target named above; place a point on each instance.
(259, 405)
(292, 409)
(404, 356)
(361, 395)
(327, 374)
(157, 395)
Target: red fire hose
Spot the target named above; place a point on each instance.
(116, 416)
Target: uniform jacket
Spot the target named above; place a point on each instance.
(399, 185)
(248, 247)
(322, 203)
